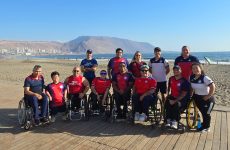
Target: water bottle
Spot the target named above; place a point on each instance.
(199, 123)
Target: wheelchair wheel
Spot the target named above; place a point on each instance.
(113, 113)
(21, 112)
(191, 115)
(27, 125)
(158, 110)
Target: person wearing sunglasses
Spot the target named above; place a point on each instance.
(177, 97)
(143, 94)
(113, 65)
(135, 65)
(122, 83)
(89, 66)
(100, 90)
(77, 86)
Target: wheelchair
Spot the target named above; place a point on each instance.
(103, 110)
(75, 113)
(189, 114)
(26, 114)
(155, 112)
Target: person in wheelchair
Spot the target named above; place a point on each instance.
(77, 86)
(35, 96)
(143, 94)
(57, 93)
(122, 83)
(177, 97)
(100, 90)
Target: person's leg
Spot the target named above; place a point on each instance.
(209, 104)
(163, 90)
(126, 99)
(94, 101)
(136, 103)
(33, 102)
(118, 98)
(44, 106)
(148, 101)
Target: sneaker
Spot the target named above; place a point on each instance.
(53, 118)
(137, 116)
(174, 124)
(36, 122)
(142, 117)
(205, 130)
(168, 123)
(44, 119)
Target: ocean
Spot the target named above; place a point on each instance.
(215, 57)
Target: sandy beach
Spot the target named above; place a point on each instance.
(13, 73)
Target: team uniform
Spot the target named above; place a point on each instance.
(143, 85)
(57, 93)
(122, 81)
(36, 86)
(75, 87)
(114, 64)
(176, 86)
(89, 75)
(135, 68)
(100, 86)
(158, 68)
(186, 65)
(201, 88)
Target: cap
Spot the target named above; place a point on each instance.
(176, 67)
(157, 49)
(144, 66)
(119, 49)
(89, 51)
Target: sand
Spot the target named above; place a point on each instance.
(13, 73)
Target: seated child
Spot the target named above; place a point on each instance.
(57, 93)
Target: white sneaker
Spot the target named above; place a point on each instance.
(205, 130)
(137, 116)
(52, 119)
(168, 123)
(174, 124)
(142, 117)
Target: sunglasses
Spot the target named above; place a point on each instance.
(76, 70)
(144, 70)
(103, 73)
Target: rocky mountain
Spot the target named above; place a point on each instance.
(99, 44)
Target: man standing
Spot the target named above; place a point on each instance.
(159, 67)
(34, 94)
(185, 62)
(89, 66)
(114, 63)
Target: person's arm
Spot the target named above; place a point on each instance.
(149, 92)
(94, 90)
(48, 93)
(211, 91)
(86, 84)
(28, 92)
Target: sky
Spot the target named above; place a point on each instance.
(203, 25)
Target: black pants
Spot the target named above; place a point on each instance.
(75, 101)
(56, 109)
(143, 106)
(173, 111)
(97, 103)
(122, 100)
(205, 108)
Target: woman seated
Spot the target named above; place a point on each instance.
(143, 94)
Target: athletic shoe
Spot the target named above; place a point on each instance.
(205, 130)
(174, 124)
(168, 123)
(53, 118)
(44, 119)
(142, 117)
(137, 116)
(36, 122)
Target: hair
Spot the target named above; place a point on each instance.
(119, 49)
(157, 49)
(54, 74)
(201, 67)
(133, 59)
(36, 67)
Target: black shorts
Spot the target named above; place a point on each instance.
(162, 87)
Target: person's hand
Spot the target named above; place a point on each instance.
(121, 92)
(98, 97)
(38, 96)
(172, 102)
(50, 98)
(142, 97)
(103, 101)
(81, 95)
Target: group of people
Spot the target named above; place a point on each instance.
(137, 81)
